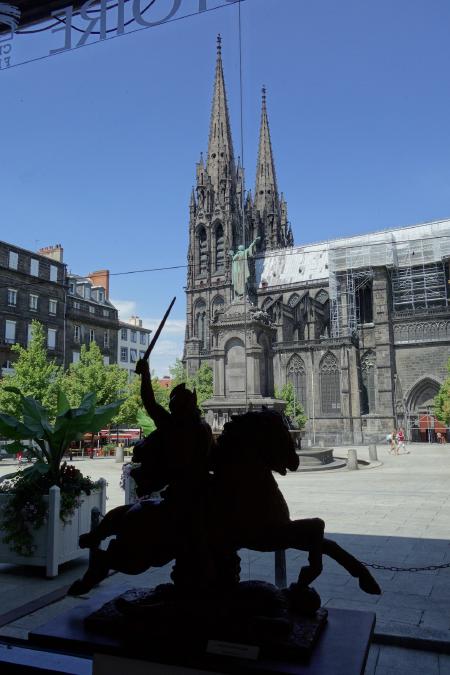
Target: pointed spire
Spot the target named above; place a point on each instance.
(266, 191)
(220, 160)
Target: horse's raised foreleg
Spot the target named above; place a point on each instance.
(367, 582)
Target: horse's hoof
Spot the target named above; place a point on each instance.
(368, 584)
(79, 588)
(304, 599)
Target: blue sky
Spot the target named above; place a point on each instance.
(98, 145)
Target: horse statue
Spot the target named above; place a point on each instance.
(243, 508)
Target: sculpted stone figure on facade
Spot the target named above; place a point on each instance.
(240, 271)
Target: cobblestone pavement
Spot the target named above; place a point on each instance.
(397, 514)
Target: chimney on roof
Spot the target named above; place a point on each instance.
(136, 321)
(100, 278)
(55, 252)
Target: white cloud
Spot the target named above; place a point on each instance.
(126, 308)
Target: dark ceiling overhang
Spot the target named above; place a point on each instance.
(37, 11)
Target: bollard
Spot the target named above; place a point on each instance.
(119, 455)
(352, 461)
(373, 456)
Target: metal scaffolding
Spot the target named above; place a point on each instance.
(415, 258)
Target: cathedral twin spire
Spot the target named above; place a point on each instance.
(266, 215)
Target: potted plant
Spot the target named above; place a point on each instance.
(46, 506)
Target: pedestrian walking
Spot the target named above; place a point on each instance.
(393, 443)
(401, 441)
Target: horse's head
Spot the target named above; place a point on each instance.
(260, 436)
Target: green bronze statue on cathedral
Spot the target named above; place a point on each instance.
(240, 271)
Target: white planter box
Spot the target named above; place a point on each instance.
(56, 542)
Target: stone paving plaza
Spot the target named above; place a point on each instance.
(396, 514)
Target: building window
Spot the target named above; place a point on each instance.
(76, 333)
(34, 267)
(106, 312)
(368, 365)
(219, 252)
(33, 302)
(143, 338)
(91, 309)
(133, 336)
(124, 334)
(106, 338)
(75, 357)
(53, 273)
(296, 374)
(91, 335)
(141, 354)
(106, 360)
(13, 260)
(124, 353)
(200, 323)
(29, 333)
(202, 250)
(12, 297)
(51, 338)
(330, 389)
(87, 292)
(133, 355)
(101, 295)
(364, 303)
(72, 287)
(10, 332)
(76, 305)
(52, 306)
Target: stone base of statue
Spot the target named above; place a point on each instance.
(255, 613)
(342, 645)
(241, 342)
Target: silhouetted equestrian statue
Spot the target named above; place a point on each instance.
(217, 498)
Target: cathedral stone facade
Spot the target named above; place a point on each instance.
(360, 326)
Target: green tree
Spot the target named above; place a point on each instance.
(202, 382)
(132, 412)
(293, 409)
(90, 374)
(35, 375)
(442, 400)
(178, 373)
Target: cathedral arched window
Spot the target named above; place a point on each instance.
(200, 322)
(202, 250)
(219, 250)
(296, 374)
(330, 388)
(293, 300)
(368, 366)
(322, 296)
(217, 304)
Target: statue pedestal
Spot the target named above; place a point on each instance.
(341, 649)
(241, 337)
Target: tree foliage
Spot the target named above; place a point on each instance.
(90, 374)
(35, 375)
(442, 400)
(202, 381)
(294, 409)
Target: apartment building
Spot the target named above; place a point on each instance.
(32, 286)
(133, 340)
(90, 317)
(74, 310)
